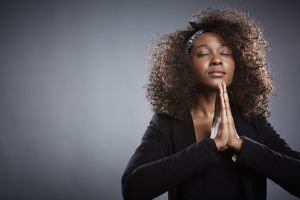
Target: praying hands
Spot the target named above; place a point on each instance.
(226, 135)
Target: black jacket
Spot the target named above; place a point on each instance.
(169, 155)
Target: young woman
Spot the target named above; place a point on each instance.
(209, 87)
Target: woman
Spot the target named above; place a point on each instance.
(209, 138)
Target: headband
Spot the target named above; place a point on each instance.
(191, 41)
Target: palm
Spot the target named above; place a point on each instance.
(223, 128)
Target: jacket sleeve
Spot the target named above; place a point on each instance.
(150, 171)
(272, 157)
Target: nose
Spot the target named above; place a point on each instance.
(216, 60)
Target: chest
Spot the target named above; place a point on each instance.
(202, 128)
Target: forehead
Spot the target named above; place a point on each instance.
(209, 38)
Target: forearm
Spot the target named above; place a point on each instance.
(151, 179)
(237, 144)
(280, 168)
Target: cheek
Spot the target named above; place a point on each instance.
(231, 67)
(230, 70)
(200, 65)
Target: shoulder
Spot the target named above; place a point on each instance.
(158, 130)
(161, 121)
(262, 124)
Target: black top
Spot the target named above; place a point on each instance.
(170, 159)
(219, 181)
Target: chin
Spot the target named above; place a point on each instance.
(215, 82)
(212, 85)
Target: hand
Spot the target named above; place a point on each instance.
(226, 135)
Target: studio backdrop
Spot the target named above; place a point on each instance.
(72, 102)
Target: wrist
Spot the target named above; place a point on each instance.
(220, 145)
(217, 143)
(236, 144)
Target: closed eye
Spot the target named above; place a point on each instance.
(226, 53)
(202, 54)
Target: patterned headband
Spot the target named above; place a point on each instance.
(191, 41)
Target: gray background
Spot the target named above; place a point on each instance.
(72, 102)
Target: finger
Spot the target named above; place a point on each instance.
(223, 109)
(227, 104)
(228, 109)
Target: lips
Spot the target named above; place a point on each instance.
(217, 73)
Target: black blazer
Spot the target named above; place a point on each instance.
(169, 154)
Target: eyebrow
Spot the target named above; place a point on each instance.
(205, 45)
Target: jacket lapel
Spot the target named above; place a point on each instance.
(183, 133)
(244, 127)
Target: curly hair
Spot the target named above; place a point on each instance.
(172, 84)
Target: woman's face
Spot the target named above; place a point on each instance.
(212, 61)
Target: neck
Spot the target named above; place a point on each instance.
(205, 105)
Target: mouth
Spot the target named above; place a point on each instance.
(216, 73)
